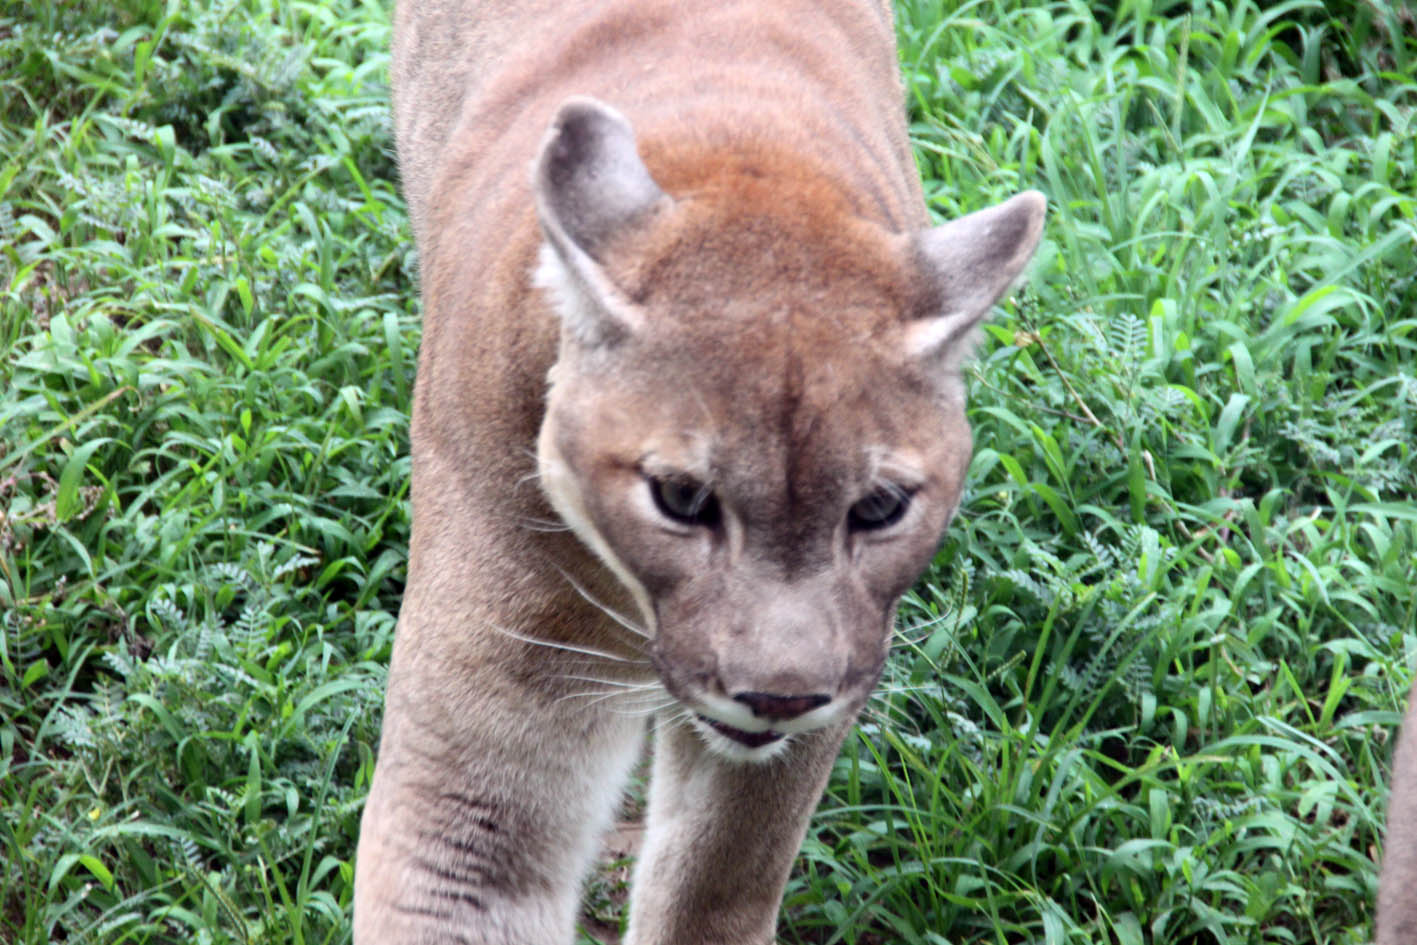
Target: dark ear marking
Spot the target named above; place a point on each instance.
(590, 181)
(969, 263)
(589, 185)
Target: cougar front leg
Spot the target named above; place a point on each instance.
(486, 840)
(721, 838)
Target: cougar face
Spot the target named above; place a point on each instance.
(768, 503)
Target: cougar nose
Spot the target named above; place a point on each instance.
(765, 705)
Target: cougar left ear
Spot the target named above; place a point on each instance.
(970, 262)
(590, 185)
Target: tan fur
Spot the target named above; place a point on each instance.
(723, 277)
(1397, 890)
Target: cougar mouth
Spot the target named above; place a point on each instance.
(746, 739)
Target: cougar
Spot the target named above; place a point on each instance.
(689, 419)
(1397, 890)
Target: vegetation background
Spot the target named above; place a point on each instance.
(1145, 695)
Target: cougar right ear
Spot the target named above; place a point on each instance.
(590, 185)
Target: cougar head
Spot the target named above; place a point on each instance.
(756, 419)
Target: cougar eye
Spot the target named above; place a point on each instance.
(684, 500)
(881, 509)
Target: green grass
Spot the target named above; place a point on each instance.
(207, 311)
(1147, 692)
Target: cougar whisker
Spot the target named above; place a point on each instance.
(619, 684)
(683, 715)
(914, 634)
(621, 699)
(885, 714)
(568, 647)
(544, 525)
(611, 612)
(642, 711)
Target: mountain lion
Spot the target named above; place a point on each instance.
(689, 419)
(1397, 891)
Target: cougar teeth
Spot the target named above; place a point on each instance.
(746, 739)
